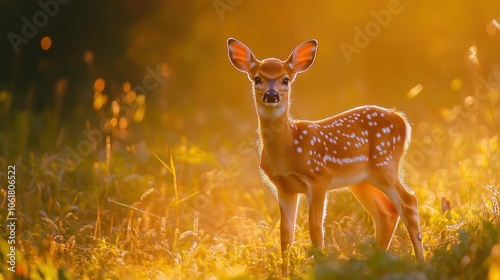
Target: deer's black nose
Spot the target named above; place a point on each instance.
(271, 96)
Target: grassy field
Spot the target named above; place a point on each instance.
(115, 211)
(104, 209)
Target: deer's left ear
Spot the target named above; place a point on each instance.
(302, 56)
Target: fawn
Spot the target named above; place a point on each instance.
(362, 148)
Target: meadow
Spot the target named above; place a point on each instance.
(101, 209)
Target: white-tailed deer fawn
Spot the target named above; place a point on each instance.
(362, 148)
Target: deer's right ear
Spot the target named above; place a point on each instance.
(241, 56)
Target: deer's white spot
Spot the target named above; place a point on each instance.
(383, 163)
(299, 150)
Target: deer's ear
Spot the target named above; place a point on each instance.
(241, 56)
(302, 56)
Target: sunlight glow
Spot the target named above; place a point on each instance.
(123, 123)
(141, 99)
(492, 27)
(473, 55)
(88, 57)
(414, 91)
(99, 100)
(113, 122)
(99, 85)
(139, 114)
(496, 24)
(115, 108)
(456, 84)
(46, 43)
(127, 87)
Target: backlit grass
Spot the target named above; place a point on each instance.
(186, 212)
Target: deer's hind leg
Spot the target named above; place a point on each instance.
(384, 214)
(405, 202)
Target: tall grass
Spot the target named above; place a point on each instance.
(183, 212)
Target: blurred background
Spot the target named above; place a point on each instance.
(77, 57)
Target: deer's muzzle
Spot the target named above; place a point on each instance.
(271, 96)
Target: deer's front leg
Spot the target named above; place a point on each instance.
(316, 203)
(288, 211)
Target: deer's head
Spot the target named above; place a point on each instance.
(271, 78)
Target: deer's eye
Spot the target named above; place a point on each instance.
(286, 81)
(257, 80)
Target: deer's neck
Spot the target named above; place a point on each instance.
(276, 137)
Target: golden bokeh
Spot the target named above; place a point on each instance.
(46, 43)
(99, 85)
(414, 91)
(456, 84)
